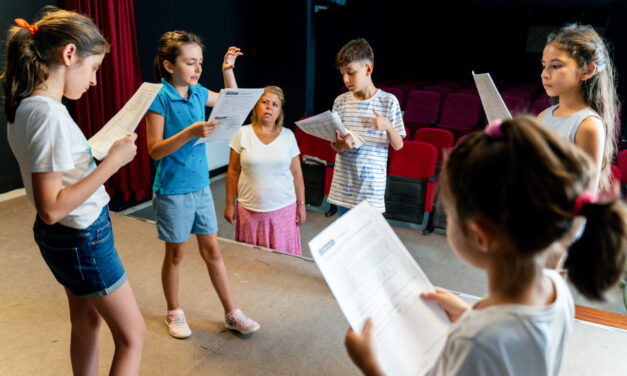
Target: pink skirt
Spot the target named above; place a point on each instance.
(276, 229)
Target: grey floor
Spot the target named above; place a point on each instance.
(431, 251)
(302, 327)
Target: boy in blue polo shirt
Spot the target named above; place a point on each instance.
(183, 201)
(373, 115)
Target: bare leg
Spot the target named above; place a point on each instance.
(170, 273)
(84, 339)
(121, 313)
(210, 252)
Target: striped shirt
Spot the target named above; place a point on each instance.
(360, 174)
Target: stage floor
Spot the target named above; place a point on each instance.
(302, 328)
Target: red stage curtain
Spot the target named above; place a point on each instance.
(118, 79)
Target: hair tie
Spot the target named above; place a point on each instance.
(585, 198)
(493, 130)
(22, 23)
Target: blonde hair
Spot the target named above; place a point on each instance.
(279, 93)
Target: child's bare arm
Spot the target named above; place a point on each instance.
(159, 148)
(228, 65)
(378, 122)
(53, 201)
(227, 73)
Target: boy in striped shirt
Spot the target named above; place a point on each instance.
(375, 116)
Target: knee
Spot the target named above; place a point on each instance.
(87, 321)
(134, 337)
(174, 255)
(211, 253)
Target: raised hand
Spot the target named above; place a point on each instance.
(203, 128)
(230, 57)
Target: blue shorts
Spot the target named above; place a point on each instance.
(183, 214)
(84, 261)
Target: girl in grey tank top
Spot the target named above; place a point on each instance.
(567, 126)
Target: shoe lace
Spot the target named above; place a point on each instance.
(178, 320)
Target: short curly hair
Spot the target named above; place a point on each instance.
(358, 50)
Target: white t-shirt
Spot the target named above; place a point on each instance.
(360, 174)
(265, 181)
(45, 138)
(510, 339)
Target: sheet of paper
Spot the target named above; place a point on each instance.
(125, 121)
(371, 274)
(231, 110)
(324, 126)
(493, 104)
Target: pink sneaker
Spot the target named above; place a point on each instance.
(177, 325)
(236, 320)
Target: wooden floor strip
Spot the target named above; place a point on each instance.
(597, 316)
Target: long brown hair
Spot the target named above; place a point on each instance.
(170, 48)
(28, 56)
(525, 184)
(584, 45)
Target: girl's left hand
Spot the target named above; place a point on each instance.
(361, 350)
(301, 214)
(230, 57)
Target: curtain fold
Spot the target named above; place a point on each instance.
(118, 79)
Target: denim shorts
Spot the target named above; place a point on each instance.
(84, 261)
(183, 214)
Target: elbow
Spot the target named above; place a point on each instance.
(153, 154)
(48, 217)
(398, 146)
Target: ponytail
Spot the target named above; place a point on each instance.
(30, 51)
(597, 260)
(24, 70)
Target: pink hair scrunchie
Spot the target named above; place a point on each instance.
(585, 198)
(493, 130)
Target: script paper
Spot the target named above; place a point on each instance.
(371, 274)
(324, 126)
(125, 121)
(231, 110)
(493, 104)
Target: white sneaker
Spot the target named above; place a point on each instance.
(177, 325)
(236, 320)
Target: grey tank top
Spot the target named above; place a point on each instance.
(567, 126)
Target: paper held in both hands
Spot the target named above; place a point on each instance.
(231, 110)
(371, 274)
(125, 121)
(493, 104)
(324, 126)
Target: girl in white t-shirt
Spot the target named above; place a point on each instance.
(58, 57)
(265, 175)
(509, 193)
